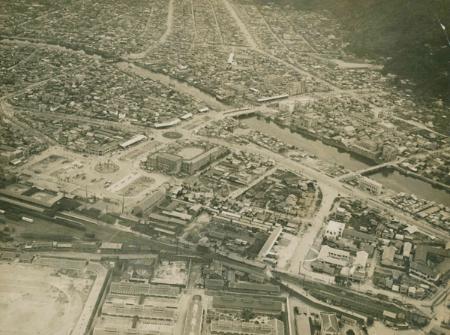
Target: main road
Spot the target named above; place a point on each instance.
(329, 184)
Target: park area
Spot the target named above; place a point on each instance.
(36, 300)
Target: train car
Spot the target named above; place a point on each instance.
(26, 219)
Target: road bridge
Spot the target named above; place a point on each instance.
(366, 171)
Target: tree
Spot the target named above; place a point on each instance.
(193, 236)
(247, 314)
(138, 212)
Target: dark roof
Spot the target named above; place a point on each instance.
(214, 283)
(245, 285)
(355, 234)
(256, 303)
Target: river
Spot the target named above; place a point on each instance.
(314, 147)
(401, 183)
(391, 179)
(176, 84)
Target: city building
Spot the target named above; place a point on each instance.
(366, 148)
(389, 152)
(162, 314)
(334, 230)
(308, 121)
(427, 271)
(388, 255)
(132, 141)
(330, 259)
(168, 163)
(111, 247)
(237, 302)
(286, 106)
(407, 248)
(190, 166)
(303, 325)
(128, 331)
(329, 324)
(388, 128)
(167, 124)
(438, 330)
(249, 287)
(370, 185)
(150, 200)
(171, 163)
(138, 289)
(357, 270)
(235, 327)
(194, 317)
(273, 237)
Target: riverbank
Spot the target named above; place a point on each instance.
(309, 144)
(412, 174)
(325, 140)
(402, 181)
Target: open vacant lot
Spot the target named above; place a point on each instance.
(34, 300)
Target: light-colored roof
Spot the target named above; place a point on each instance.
(388, 253)
(273, 327)
(303, 325)
(407, 247)
(335, 226)
(270, 242)
(361, 259)
(133, 140)
(167, 124)
(333, 256)
(111, 245)
(329, 322)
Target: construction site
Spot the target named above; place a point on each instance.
(51, 302)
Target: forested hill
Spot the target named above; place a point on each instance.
(406, 33)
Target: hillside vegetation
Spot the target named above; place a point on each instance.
(407, 34)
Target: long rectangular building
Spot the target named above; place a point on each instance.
(194, 317)
(232, 327)
(257, 304)
(143, 312)
(270, 242)
(134, 140)
(249, 287)
(61, 263)
(302, 325)
(119, 331)
(144, 289)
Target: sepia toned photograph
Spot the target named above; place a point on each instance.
(224, 167)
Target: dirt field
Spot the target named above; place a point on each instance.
(136, 187)
(34, 301)
(44, 164)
